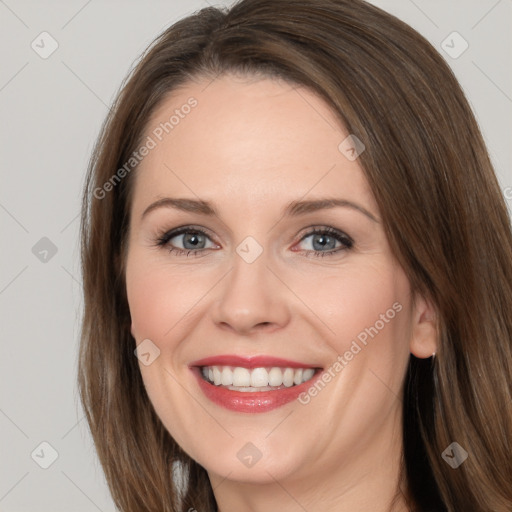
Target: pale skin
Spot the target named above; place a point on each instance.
(250, 147)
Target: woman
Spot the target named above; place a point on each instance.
(270, 373)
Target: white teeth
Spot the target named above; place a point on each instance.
(307, 374)
(275, 377)
(227, 376)
(217, 376)
(259, 378)
(241, 377)
(256, 379)
(288, 377)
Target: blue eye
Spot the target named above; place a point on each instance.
(327, 238)
(194, 241)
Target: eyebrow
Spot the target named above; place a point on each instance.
(293, 209)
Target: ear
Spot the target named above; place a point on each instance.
(424, 335)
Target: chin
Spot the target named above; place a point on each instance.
(249, 465)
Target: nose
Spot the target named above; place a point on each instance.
(252, 298)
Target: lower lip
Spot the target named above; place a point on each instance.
(254, 401)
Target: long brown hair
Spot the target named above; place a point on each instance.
(440, 202)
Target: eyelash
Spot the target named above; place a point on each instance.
(163, 239)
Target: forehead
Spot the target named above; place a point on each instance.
(257, 140)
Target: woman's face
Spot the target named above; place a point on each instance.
(274, 274)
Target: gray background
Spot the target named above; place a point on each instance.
(51, 110)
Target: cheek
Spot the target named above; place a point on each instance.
(361, 304)
(159, 298)
(367, 311)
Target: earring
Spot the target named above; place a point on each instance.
(433, 357)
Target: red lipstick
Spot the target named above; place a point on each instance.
(250, 362)
(251, 401)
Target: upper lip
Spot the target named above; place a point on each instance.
(259, 361)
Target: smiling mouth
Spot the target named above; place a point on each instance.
(238, 378)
